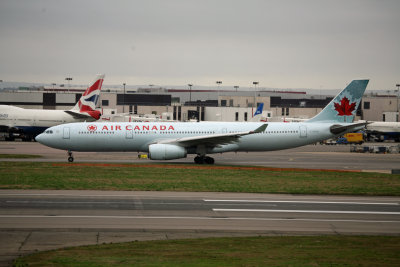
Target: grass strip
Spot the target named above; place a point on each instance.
(172, 177)
(242, 251)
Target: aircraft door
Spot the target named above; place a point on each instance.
(66, 132)
(224, 130)
(129, 134)
(303, 131)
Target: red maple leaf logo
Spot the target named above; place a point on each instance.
(345, 108)
(92, 128)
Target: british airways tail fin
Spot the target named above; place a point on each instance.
(88, 101)
(344, 106)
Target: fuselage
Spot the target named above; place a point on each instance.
(139, 136)
(384, 127)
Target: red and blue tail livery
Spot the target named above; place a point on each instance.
(87, 103)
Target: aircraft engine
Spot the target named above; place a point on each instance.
(165, 151)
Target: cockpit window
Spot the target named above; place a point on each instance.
(49, 132)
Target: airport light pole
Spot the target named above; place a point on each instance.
(190, 93)
(255, 91)
(68, 79)
(218, 83)
(398, 115)
(236, 87)
(53, 85)
(123, 99)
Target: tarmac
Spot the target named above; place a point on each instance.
(336, 157)
(19, 238)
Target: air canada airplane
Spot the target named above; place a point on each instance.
(174, 140)
(31, 122)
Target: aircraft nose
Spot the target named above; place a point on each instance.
(40, 138)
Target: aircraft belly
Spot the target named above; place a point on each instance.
(276, 142)
(223, 148)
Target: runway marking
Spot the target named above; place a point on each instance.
(313, 211)
(127, 202)
(193, 218)
(303, 202)
(66, 202)
(131, 197)
(206, 200)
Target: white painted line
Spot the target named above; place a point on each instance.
(190, 218)
(302, 202)
(95, 202)
(64, 202)
(313, 211)
(61, 195)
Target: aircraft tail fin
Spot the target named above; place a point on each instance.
(344, 106)
(88, 101)
(259, 109)
(257, 115)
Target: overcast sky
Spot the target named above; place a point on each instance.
(284, 44)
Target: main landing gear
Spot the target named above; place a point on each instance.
(203, 160)
(70, 157)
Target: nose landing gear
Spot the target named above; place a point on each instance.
(203, 160)
(70, 157)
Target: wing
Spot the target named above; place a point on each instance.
(212, 140)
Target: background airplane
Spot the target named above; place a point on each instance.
(31, 122)
(164, 140)
(383, 131)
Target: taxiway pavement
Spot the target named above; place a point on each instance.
(32, 220)
(310, 157)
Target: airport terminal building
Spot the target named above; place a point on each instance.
(201, 105)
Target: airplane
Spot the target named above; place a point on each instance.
(384, 130)
(31, 122)
(167, 141)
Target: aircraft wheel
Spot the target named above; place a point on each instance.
(70, 159)
(209, 160)
(199, 160)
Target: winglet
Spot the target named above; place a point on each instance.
(260, 129)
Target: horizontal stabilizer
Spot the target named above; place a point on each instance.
(338, 129)
(77, 115)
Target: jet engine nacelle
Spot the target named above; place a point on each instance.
(165, 151)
